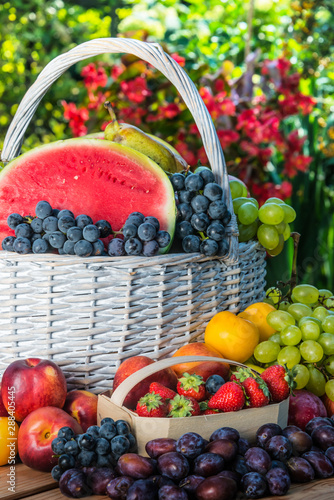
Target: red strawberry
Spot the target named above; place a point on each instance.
(192, 386)
(256, 389)
(181, 406)
(230, 397)
(205, 410)
(152, 405)
(163, 391)
(280, 382)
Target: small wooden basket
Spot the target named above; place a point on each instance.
(146, 428)
(89, 314)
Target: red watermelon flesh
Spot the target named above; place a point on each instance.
(99, 178)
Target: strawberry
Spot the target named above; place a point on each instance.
(182, 406)
(152, 405)
(192, 386)
(256, 389)
(163, 391)
(205, 410)
(280, 382)
(230, 397)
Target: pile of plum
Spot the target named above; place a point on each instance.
(196, 469)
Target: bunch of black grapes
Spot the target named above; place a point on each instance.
(202, 216)
(56, 230)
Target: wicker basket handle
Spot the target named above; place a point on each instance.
(150, 52)
(130, 382)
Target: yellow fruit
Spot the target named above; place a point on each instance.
(255, 367)
(234, 337)
(257, 314)
(8, 440)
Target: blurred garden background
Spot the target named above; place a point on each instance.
(264, 68)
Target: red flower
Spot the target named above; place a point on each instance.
(209, 101)
(116, 71)
(202, 157)
(268, 190)
(295, 163)
(77, 117)
(225, 105)
(95, 101)
(169, 111)
(136, 90)
(94, 77)
(132, 114)
(179, 59)
(227, 137)
(185, 152)
(283, 66)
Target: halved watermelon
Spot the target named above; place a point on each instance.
(102, 179)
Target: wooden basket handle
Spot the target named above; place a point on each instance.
(130, 382)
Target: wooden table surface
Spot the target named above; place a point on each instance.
(33, 485)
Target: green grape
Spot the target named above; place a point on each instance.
(329, 303)
(268, 301)
(291, 335)
(276, 337)
(326, 340)
(254, 201)
(271, 213)
(246, 233)
(289, 214)
(328, 324)
(302, 376)
(306, 294)
(274, 294)
(280, 319)
(299, 310)
(320, 313)
(284, 305)
(267, 351)
(237, 188)
(317, 381)
(310, 330)
(325, 294)
(329, 389)
(289, 356)
(247, 213)
(278, 201)
(312, 319)
(238, 202)
(268, 236)
(281, 227)
(329, 365)
(311, 351)
(277, 250)
(287, 232)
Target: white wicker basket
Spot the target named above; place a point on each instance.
(90, 314)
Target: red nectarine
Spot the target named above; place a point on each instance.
(82, 405)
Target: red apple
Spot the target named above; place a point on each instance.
(303, 407)
(28, 384)
(166, 377)
(3, 411)
(82, 405)
(36, 434)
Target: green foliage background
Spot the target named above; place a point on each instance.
(33, 32)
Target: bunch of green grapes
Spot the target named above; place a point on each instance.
(270, 223)
(304, 338)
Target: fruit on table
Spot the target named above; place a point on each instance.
(165, 377)
(257, 313)
(70, 173)
(3, 411)
(303, 407)
(82, 405)
(279, 381)
(198, 367)
(256, 389)
(234, 337)
(129, 135)
(36, 382)
(229, 397)
(8, 440)
(191, 386)
(152, 405)
(36, 434)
